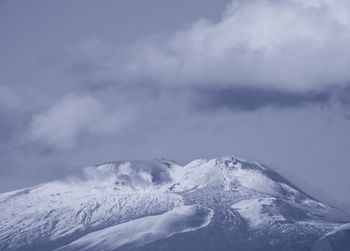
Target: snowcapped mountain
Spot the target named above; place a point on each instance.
(218, 204)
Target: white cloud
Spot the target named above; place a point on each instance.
(61, 126)
(288, 44)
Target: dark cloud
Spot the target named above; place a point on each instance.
(344, 96)
(251, 99)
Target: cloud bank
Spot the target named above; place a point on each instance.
(62, 125)
(261, 53)
(290, 45)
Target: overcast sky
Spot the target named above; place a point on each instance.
(84, 82)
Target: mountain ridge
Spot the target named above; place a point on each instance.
(243, 197)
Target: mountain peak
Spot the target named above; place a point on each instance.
(233, 200)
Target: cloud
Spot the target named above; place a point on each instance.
(251, 99)
(64, 124)
(287, 53)
(291, 45)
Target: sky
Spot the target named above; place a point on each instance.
(85, 82)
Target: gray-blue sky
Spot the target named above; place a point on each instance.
(84, 82)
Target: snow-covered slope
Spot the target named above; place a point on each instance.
(145, 230)
(222, 203)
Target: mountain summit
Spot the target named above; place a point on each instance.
(218, 204)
